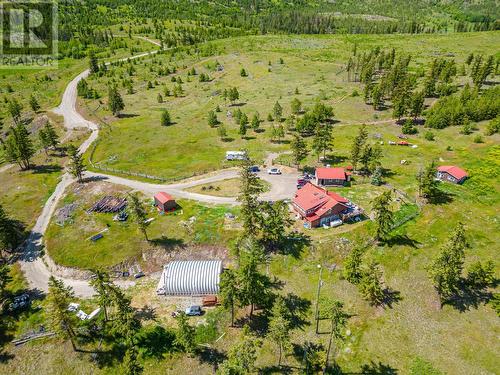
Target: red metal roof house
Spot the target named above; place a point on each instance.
(318, 206)
(452, 174)
(332, 176)
(164, 202)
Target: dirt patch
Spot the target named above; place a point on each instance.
(155, 259)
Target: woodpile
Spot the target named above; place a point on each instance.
(109, 203)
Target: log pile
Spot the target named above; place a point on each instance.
(109, 203)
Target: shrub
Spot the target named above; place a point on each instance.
(478, 139)
(429, 135)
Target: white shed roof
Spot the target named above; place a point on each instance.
(190, 277)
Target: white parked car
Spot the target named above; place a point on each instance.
(274, 171)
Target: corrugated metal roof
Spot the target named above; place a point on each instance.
(190, 277)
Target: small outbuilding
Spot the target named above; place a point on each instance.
(452, 174)
(332, 176)
(190, 278)
(164, 202)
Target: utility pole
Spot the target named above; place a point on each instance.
(316, 313)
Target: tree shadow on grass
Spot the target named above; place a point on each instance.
(168, 243)
(127, 115)
(298, 308)
(211, 356)
(334, 159)
(391, 297)
(146, 313)
(227, 139)
(471, 296)
(294, 244)
(283, 369)
(50, 168)
(155, 342)
(378, 369)
(441, 197)
(401, 240)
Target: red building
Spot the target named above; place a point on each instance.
(164, 202)
(318, 207)
(452, 174)
(332, 176)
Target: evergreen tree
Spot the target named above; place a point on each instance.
(334, 311)
(370, 284)
(76, 165)
(5, 279)
(383, 215)
(212, 119)
(377, 176)
(377, 97)
(159, 98)
(299, 149)
(233, 95)
(18, 146)
(279, 329)
(14, 108)
(274, 221)
(115, 101)
(130, 363)
(243, 122)
(34, 103)
(481, 275)
(352, 265)
(251, 188)
(417, 104)
(296, 106)
(93, 64)
(166, 120)
(43, 140)
(243, 72)
(255, 122)
(229, 291)
(9, 232)
(277, 111)
(323, 139)
(241, 357)
(102, 285)
(254, 287)
(139, 214)
(185, 334)
(222, 132)
(427, 183)
(358, 145)
(52, 137)
(446, 269)
(60, 319)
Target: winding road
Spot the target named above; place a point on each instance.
(33, 262)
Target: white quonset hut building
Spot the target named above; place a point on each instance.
(190, 278)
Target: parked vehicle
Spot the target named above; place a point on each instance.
(254, 169)
(210, 301)
(193, 310)
(274, 171)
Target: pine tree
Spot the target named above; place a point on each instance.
(277, 111)
(212, 119)
(52, 137)
(427, 183)
(296, 106)
(279, 329)
(159, 98)
(377, 176)
(9, 232)
(130, 363)
(42, 136)
(383, 215)
(139, 214)
(370, 285)
(222, 132)
(18, 146)
(229, 291)
(34, 103)
(299, 149)
(243, 72)
(115, 101)
(417, 104)
(251, 188)
(352, 265)
(241, 357)
(5, 279)
(93, 64)
(358, 145)
(445, 271)
(233, 95)
(14, 108)
(76, 165)
(185, 334)
(60, 319)
(165, 118)
(334, 311)
(255, 122)
(377, 97)
(101, 283)
(323, 139)
(243, 122)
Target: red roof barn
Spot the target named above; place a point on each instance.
(318, 206)
(164, 202)
(332, 176)
(452, 174)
